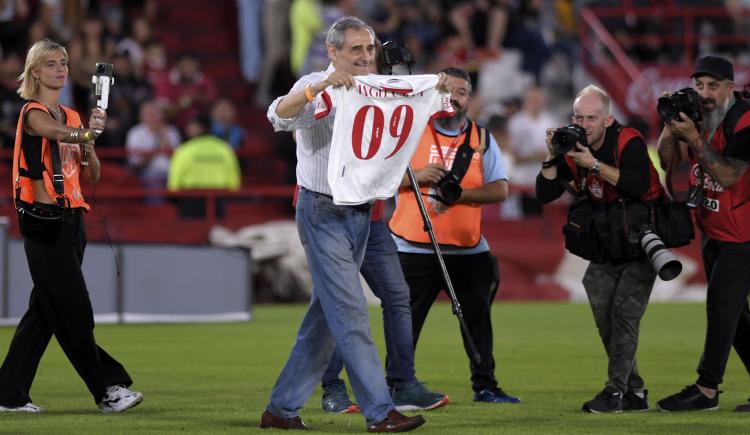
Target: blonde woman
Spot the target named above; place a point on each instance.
(48, 185)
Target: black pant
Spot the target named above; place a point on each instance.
(728, 272)
(59, 304)
(475, 279)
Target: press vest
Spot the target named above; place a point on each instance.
(599, 190)
(70, 161)
(460, 225)
(725, 212)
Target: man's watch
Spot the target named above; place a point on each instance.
(597, 166)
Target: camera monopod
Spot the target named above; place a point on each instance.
(100, 83)
(396, 54)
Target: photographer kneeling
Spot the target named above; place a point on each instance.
(604, 163)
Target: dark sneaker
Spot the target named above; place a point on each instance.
(336, 400)
(609, 400)
(495, 395)
(689, 399)
(417, 397)
(743, 407)
(631, 402)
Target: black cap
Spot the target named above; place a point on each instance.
(714, 66)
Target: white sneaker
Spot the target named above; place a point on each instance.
(29, 407)
(119, 398)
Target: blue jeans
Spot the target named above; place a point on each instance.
(382, 271)
(334, 238)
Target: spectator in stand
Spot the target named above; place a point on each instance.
(203, 162)
(14, 22)
(86, 49)
(135, 43)
(527, 136)
(224, 123)
(276, 67)
(309, 21)
(149, 145)
(154, 68)
(490, 25)
(10, 102)
(125, 100)
(187, 91)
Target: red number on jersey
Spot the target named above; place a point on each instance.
(376, 135)
(405, 129)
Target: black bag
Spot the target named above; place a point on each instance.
(673, 222)
(580, 231)
(40, 222)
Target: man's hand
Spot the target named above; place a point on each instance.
(548, 140)
(335, 79)
(445, 83)
(430, 174)
(684, 128)
(582, 156)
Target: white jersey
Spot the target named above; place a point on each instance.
(378, 125)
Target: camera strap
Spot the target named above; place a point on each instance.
(58, 181)
(464, 153)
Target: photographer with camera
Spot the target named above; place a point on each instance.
(718, 149)
(605, 163)
(52, 151)
(460, 168)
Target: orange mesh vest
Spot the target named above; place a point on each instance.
(461, 224)
(70, 161)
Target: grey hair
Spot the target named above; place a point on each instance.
(335, 34)
(601, 93)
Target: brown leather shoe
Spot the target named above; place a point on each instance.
(269, 420)
(397, 422)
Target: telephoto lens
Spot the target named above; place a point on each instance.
(666, 265)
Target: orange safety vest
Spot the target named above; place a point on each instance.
(70, 161)
(461, 224)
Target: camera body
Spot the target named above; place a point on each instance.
(686, 100)
(564, 138)
(396, 53)
(100, 84)
(449, 188)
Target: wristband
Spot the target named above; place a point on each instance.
(308, 94)
(87, 136)
(550, 163)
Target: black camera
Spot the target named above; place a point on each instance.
(396, 53)
(449, 188)
(686, 100)
(694, 196)
(564, 139)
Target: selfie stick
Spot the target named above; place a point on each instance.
(435, 245)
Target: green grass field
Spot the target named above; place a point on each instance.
(216, 378)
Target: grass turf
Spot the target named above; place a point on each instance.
(216, 378)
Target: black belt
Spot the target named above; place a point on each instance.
(364, 207)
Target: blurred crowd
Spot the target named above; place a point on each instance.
(152, 102)
(523, 57)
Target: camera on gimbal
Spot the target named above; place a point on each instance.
(395, 53)
(564, 139)
(686, 100)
